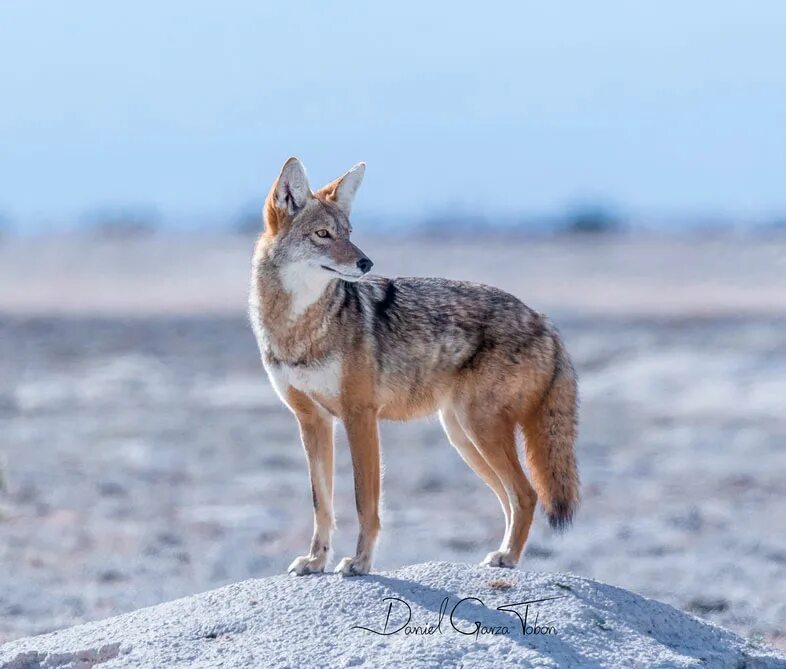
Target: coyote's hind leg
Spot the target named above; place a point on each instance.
(472, 456)
(495, 438)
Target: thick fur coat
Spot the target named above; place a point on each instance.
(338, 343)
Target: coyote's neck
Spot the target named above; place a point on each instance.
(292, 312)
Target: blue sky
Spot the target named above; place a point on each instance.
(191, 107)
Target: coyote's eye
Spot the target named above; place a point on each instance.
(322, 233)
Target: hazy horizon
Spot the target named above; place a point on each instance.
(189, 109)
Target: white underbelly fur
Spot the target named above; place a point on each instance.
(323, 380)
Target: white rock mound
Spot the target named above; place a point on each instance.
(428, 615)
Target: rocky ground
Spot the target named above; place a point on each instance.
(437, 614)
(144, 456)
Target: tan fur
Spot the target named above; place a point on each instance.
(316, 433)
(550, 430)
(328, 192)
(274, 218)
(405, 348)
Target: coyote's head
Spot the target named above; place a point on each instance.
(307, 234)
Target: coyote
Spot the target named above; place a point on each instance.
(337, 342)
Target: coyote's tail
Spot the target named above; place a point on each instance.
(550, 435)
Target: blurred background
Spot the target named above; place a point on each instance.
(618, 166)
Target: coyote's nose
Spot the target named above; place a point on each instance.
(364, 265)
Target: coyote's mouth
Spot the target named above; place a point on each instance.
(343, 275)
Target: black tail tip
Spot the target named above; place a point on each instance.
(560, 516)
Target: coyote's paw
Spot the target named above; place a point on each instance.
(355, 566)
(499, 559)
(307, 564)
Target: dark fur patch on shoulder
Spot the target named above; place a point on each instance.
(351, 298)
(383, 306)
(483, 344)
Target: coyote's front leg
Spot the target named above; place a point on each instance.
(363, 435)
(316, 432)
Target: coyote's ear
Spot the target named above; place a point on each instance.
(342, 190)
(289, 194)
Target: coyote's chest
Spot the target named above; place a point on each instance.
(321, 379)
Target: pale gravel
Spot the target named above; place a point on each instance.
(286, 621)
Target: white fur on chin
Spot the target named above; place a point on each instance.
(306, 282)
